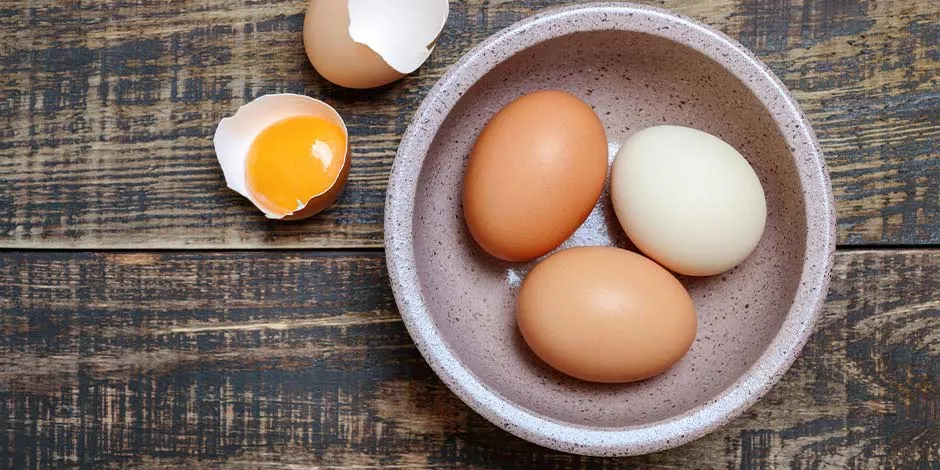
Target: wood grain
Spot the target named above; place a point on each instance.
(107, 109)
(290, 359)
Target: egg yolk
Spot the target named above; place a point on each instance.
(294, 160)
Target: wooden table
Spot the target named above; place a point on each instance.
(151, 317)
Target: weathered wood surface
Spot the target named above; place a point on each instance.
(292, 359)
(107, 109)
(271, 359)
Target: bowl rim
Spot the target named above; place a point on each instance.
(817, 200)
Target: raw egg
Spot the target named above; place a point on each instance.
(370, 43)
(604, 314)
(534, 174)
(687, 199)
(287, 154)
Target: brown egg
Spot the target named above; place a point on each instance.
(534, 175)
(605, 315)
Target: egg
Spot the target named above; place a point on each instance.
(605, 314)
(287, 154)
(370, 43)
(535, 172)
(687, 199)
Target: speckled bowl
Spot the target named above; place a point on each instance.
(637, 66)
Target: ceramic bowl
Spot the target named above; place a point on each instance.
(637, 66)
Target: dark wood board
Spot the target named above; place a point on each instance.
(289, 359)
(107, 109)
(292, 359)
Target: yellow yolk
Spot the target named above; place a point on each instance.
(293, 160)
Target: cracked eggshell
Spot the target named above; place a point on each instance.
(370, 43)
(234, 136)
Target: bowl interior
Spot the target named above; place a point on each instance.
(633, 80)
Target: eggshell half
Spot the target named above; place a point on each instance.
(234, 136)
(402, 32)
(368, 43)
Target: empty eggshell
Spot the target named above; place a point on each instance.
(370, 43)
(403, 33)
(235, 135)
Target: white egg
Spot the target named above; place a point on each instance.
(235, 135)
(687, 199)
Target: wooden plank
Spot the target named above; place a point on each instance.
(271, 359)
(107, 110)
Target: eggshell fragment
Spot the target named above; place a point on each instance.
(234, 136)
(369, 43)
